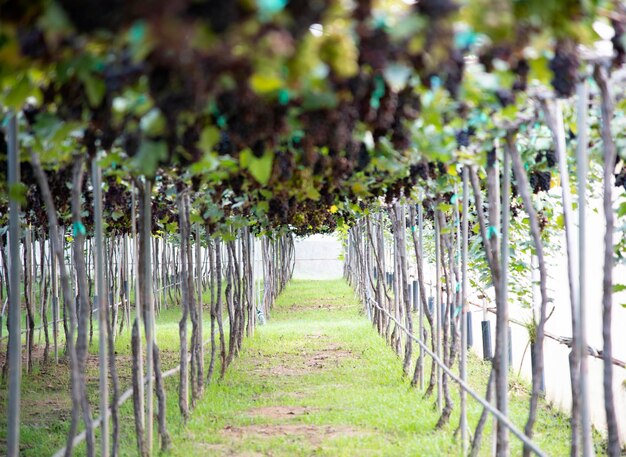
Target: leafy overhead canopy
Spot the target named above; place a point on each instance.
(294, 114)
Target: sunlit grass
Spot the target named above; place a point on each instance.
(363, 394)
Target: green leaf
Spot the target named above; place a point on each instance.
(109, 160)
(540, 70)
(319, 100)
(312, 193)
(263, 207)
(510, 111)
(195, 218)
(208, 163)
(153, 123)
(95, 89)
(209, 137)
(444, 207)
(148, 157)
(560, 221)
(139, 40)
(245, 156)
(261, 168)
(621, 211)
(18, 93)
(263, 84)
(619, 288)
(18, 192)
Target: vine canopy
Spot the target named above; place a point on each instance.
(276, 113)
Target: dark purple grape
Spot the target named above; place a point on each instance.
(620, 178)
(90, 15)
(224, 145)
(540, 181)
(32, 42)
(564, 66)
(436, 9)
(363, 158)
(505, 97)
(462, 138)
(219, 14)
(258, 149)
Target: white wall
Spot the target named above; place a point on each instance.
(557, 381)
(317, 257)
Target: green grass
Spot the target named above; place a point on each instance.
(317, 352)
(362, 394)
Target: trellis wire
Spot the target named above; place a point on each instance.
(504, 420)
(95, 310)
(122, 399)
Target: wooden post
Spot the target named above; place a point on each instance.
(464, 290)
(102, 303)
(146, 231)
(502, 329)
(15, 337)
(581, 168)
(437, 308)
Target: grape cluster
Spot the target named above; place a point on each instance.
(116, 201)
(549, 155)
(32, 42)
(375, 48)
(564, 66)
(60, 183)
(540, 181)
(91, 15)
(543, 220)
(436, 9)
(505, 97)
(515, 207)
(463, 136)
(419, 170)
(164, 210)
(250, 118)
(620, 177)
(451, 71)
(171, 89)
(521, 69)
(218, 14)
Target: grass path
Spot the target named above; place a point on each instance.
(318, 380)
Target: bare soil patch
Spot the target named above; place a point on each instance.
(324, 306)
(316, 336)
(281, 370)
(308, 362)
(327, 304)
(315, 434)
(332, 355)
(280, 412)
(225, 450)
